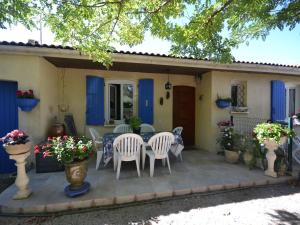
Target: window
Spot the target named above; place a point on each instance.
(119, 100)
(238, 94)
(290, 94)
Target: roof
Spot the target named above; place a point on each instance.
(37, 45)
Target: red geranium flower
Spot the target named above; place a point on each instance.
(46, 153)
(84, 149)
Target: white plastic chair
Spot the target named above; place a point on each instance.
(122, 128)
(145, 127)
(176, 150)
(177, 130)
(127, 147)
(160, 145)
(97, 140)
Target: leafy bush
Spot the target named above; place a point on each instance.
(273, 131)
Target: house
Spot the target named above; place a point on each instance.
(66, 81)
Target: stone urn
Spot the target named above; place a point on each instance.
(18, 149)
(271, 145)
(76, 173)
(247, 157)
(231, 156)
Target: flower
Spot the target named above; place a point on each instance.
(46, 153)
(15, 137)
(49, 138)
(84, 149)
(36, 149)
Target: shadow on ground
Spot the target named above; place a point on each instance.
(284, 217)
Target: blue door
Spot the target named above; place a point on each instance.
(8, 120)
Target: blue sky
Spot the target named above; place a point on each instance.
(280, 46)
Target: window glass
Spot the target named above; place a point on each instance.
(120, 100)
(127, 101)
(292, 100)
(238, 94)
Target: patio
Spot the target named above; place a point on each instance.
(200, 171)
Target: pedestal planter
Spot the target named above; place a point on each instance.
(76, 173)
(22, 179)
(27, 104)
(271, 145)
(17, 149)
(231, 156)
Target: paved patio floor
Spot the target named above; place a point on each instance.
(199, 172)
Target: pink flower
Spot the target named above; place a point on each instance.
(46, 153)
(49, 138)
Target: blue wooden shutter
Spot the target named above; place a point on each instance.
(94, 100)
(145, 97)
(277, 100)
(8, 120)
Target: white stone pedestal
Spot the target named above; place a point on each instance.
(22, 179)
(271, 145)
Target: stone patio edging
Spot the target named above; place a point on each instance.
(117, 201)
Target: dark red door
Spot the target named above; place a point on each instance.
(184, 112)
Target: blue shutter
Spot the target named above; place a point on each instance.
(8, 121)
(94, 100)
(277, 100)
(145, 97)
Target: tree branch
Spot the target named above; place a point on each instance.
(219, 10)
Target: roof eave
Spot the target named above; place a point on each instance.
(155, 60)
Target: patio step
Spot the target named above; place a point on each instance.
(75, 204)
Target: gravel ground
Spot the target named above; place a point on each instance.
(278, 204)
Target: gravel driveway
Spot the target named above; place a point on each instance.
(278, 204)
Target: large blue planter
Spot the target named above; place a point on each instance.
(27, 104)
(222, 104)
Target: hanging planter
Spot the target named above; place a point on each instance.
(26, 101)
(223, 103)
(27, 104)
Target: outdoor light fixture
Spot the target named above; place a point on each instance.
(168, 85)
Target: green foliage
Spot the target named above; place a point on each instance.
(230, 140)
(200, 29)
(135, 122)
(274, 131)
(66, 149)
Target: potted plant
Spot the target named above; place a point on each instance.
(135, 124)
(26, 100)
(223, 103)
(272, 135)
(73, 152)
(224, 124)
(229, 143)
(16, 142)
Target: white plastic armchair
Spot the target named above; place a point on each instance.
(127, 147)
(145, 127)
(160, 145)
(122, 128)
(177, 130)
(97, 140)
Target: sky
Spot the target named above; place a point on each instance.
(282, 47)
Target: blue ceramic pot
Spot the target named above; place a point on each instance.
(222, 104)
(27, 104)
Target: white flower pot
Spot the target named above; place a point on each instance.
(271, 145)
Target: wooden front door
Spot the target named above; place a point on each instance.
(184, 112)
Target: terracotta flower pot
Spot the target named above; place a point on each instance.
(76, 173)
(247, 157)
(17, 149)
(231, 156)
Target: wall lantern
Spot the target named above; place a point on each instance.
(168, 85)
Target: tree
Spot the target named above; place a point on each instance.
(201, 29)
